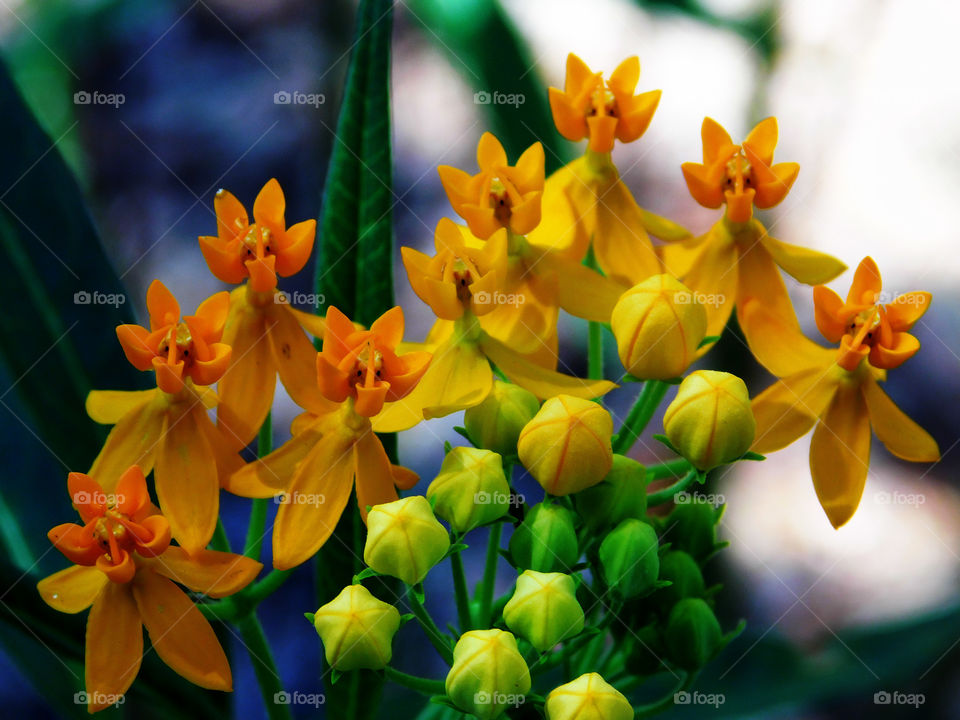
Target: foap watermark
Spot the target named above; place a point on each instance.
(896, 697)
(295, 97)
(498, 498)
(98, 698)
(900, 498)
(300, 299)
(86, 97)
(82, 497)
(85, 297)
(499, 298)
(486, 97)
(696, 697)
(499, 699)
(685, 498)
(314, 700)
(299, 498)
(689, 297)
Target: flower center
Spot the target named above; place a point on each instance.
(500, 201)
(178, 345)
(257, 242)
(603, 102)
(739, 175)
(865, 327)
(368, 366)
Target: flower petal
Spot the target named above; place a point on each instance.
(623, 248)
(374, 474)
(268, 476)
(232, 220)
(179, 633)
(906, 309)
(901, 435)
(132, 441)
(76, 542)
(490, 153)
(162, 305)
(762, 140)
(867, 283)
(215, 574)
(269, 206)
(223, 259)
(581, 291)
(295, 358)
(297, 248)
(108, 406)
(828, 313)
(781, 348)
(72, 590)
(132, 495)
(903, 347)
(715, 139)
(714, 277)
(662, 228)
(788, 409)
(114, 646)
(806, 265)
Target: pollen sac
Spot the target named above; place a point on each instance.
(710, 422)
(693, 635)
(589, 697)
(404, 539)
(471, 489)
(489, 675)
(546, 540)
(544, 609)
(659, 324)
(497, 422)
(629, 558)
(357, 630)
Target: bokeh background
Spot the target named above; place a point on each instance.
(868, 104)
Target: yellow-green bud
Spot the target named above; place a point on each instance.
(629, 559)
(471, 489)
(496, 423)
(693, 634)
(404, 539)
(621, 495)
(546, 540)
(544, 609)
(488, 675)
(710, 421)
(357, 630)
(693, 527)
(659, 325)
(566, 446)
(685, 578)
(589, 697)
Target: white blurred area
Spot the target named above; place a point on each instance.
(868, 104)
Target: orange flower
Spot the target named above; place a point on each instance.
(500, 195)
(167, 429)
(126, 571)
(838, 390)
(265, 332)
(330, 453)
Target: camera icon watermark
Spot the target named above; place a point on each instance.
(499, 298)
(85, 297)
(86, 97)
(495, 97)
(98, 698)
(295, 97)
(884, 697)
(299, 498)
(314, 700)
(300, 299)
(714, 700)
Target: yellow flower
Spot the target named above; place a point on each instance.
(589, 697)
(736, 261)
(586, 201)
(357, 630)
(404, 539)
(488, 675)
(544, 609)
(837, 390)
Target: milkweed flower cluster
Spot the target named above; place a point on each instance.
(604, 583)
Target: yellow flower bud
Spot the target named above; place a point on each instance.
(659, 325)
(488, 675)
(566, 446)
(710, 421)
(589, 697)
(357, 630)
(496, 423)
(544, 609)
(471, 488)
(404, 539)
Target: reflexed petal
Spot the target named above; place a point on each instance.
(713, 278)
(622, 246)
(806, 265)
(404, 478)
(114, 646)
(901, 435)
(662, 228)
(108, 406)
(316, 325)
(903, 347)
(295, 358)
(132, 441)
(906, 309)
(215, 574)
(759, 279)
(180, 634)
(268, 476)
(72, 590)
(788, 409)
(840, 454)
(782, 349)
(374, 473)
(827, 307)
(581, 291)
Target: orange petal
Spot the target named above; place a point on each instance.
(295, 358)
(162, 305)
(159, 541)
(490, 153)
(715, 140)
(119, 570)
(762, 140)
(568, 118)
(299, 244)
(404, 478)
(215, 574)
(315, 325)
(262, 271)
(87, 496)
(270, 205)
(840, 454)
(132, 495)
(888, 357)
(169, 376)
(866, 285)
(107, 407)
(788, 409)
(338, 330)
(906, 309)
(528, 173)
(901, 435)
(186, 481)
(370, 400)
(180, 634)
(773, 184)
(211, 316)
(72, 590)
(135, 341)
(374, 473)
(223, 259)
(208, 371)
(76, 543)
(132, 441)
(578, 74)
(412, 366)
(232, 220)
(704, 184)
(114, 646)
(827, 307)
(635, 121)
(603, 130)
(626, 75)
(525, 215)
(267, 476)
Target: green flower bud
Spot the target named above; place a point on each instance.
(693, 527)
(471, 489)
(629, 559)
(646, 651)
(693, 634)
(682, 571)
(621, 495)
(589, 697)
(544, 609)
(357, 630)
(545, 541)
(710, 421)
(566, 446)
(404, 539)
(496, 423)
(488, 674)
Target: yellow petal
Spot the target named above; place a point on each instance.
(114, 645)
(840, 454)
(561, 227)
(108, 406)
(581, 291)
(132, 441)
(526, 312)
(760, 279)
(374, 473)
(295, 359)
(72, 590)
(788, 409)
(806, 265)
(179, 633)
(763, 139)
(186, 480)
(621, 244)
(662, 228)
(541, 382)
(316, 499)
(781, 348)
(267, 476)
(215, 574)
(715, 139)
(901, 435)
(713, 279)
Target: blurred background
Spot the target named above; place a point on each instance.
(868, 104)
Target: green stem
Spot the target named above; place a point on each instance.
(414, 682)
(564, 655)
(489, 574)
(666, 495)
(258, 511)
(435, 635)
(670, 469)
(220, 541)
(460, 591)
(643, 409)
(260, 590)
(594, 334)
(264, 666)
(666, 702)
